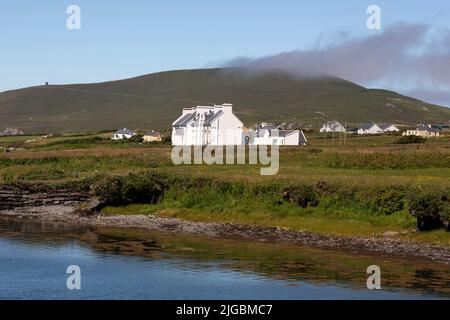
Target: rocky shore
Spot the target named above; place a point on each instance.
(10, 199)
(67, 214)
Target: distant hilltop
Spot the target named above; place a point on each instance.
(154, 101)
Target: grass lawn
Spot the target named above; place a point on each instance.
(362, 163)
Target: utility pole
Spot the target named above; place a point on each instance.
(345, 133)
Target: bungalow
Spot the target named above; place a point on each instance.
(441, 127)
(267, 134)
(332, 126)
(11, 132)
(152, 136)
(369, 128)
(425, 131)
(122, 134)
(388, 128)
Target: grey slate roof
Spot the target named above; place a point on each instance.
(385, 126)
(426, 128)
(284, 133)
(184, 120)
(367, 126)
(125, 131)
(153, 133)
(210, 117)
(270, 127)
(302, 139)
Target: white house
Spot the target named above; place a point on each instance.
(207, 125)
(369, 128)
(152, 136)
(267, 134)
(123, 134)
(332, 126)
(423, 130)
(387, 127)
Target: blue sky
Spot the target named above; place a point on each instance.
(121, 39)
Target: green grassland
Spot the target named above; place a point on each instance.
(354, 183)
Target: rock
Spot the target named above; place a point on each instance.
(390, 234)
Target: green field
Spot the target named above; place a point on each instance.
(357, 186)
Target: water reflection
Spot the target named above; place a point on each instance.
(221, 262)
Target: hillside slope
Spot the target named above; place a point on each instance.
(155, 100)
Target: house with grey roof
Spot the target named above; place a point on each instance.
(122, 134)
(152, 136)
(269, 134)
(207, 125)
(332, 126)
(424, 131)
(388, 128)
(369, 128)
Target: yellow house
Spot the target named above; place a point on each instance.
(424, 131)
(152, 136)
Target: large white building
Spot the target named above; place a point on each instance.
(207, 125)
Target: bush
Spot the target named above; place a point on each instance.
(302, 195)
(389, 202)
(432, 209)
(133, 188)
(109, 190)
(411, 140)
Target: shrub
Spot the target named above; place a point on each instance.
(109, 190)
(432, 209)
(410, 140)
(134, 188)
(389, 202)
(303, 195)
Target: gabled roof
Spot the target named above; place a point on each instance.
(367, 126)
(210, 117)
(184, 120)
(333, 124)
(125, 131)
(270, 127)
(302, 138)
(153, 133)
(424, 127)
(385, 126)
(284, 133)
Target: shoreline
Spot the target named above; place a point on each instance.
(68, 215)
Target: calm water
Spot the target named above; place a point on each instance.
(138, 265)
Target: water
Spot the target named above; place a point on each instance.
(118, 264)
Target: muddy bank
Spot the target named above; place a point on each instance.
(67, 215)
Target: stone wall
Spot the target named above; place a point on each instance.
(10, 199)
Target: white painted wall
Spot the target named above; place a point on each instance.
(225, 130)
(373, 130)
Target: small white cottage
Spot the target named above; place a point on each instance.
(267, 134)
(369, 128)
(332, 126)
(388, 128)
(122, 134)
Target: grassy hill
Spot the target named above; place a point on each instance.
(155, 101)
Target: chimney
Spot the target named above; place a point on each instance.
(227, 107)
(186, 111)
